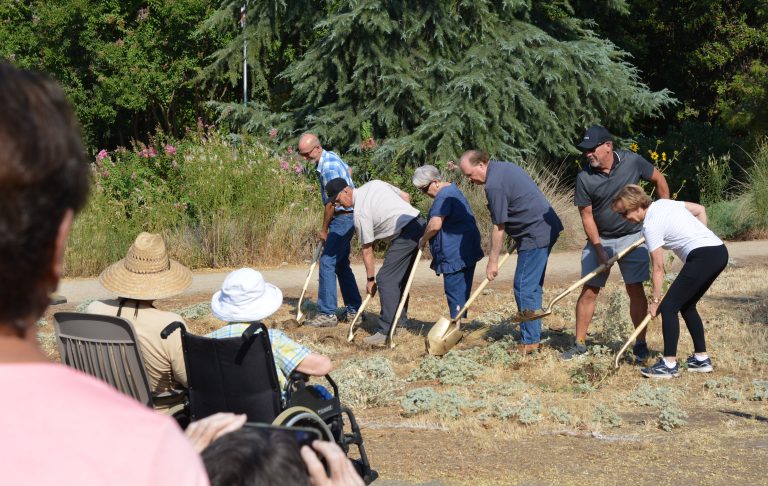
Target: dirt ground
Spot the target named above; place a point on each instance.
(586, 424)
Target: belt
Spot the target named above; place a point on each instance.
(338, 213)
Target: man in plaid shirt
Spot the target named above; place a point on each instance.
(337, 231)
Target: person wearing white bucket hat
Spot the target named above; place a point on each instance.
(244, 298)
(144, 275)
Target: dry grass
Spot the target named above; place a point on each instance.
(491, 405)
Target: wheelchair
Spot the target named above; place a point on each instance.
(238, 375)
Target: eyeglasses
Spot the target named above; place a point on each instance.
(425, 189)
(306, 154)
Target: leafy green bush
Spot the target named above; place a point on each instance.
(451, 369)
(216, 204)
(605, 416)
(664, 399)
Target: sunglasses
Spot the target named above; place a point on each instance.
(425, 189)
(306, 154)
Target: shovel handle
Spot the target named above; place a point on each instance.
(351, 334)
(600, 269)
(632, 337)
(403, 299)
(479, 289)
(315, 257)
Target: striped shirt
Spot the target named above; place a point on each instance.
(329, 167)
(288, 354)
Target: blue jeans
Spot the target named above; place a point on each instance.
(529, 279)
(335, 262)
(457, 287)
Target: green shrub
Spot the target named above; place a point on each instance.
(216, 203)
(451, 369)
(605, 416)
(426, 399)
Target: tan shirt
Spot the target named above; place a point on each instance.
(163, 358)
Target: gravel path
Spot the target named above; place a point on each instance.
(562, 268)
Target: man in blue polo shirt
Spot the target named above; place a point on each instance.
(607, 172)
(519, 208)
(337, 231)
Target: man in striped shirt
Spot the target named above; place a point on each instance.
(336, 232)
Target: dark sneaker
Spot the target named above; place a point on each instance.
(377, 340)
(641, 353)
(323, 320)
(576, 350)
(699, 366)
(349, 316)
(660, 370)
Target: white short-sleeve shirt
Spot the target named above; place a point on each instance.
(380, 212)
(668, 224)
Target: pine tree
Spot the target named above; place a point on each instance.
(434, 77)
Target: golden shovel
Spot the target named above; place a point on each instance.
(632, 337)
(531, 315)
(391, 336)
(352, 327)
(315, 257)
(446, 332)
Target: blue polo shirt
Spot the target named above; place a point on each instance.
(457, 244)
(515, 201)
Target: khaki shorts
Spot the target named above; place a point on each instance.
(635, 267)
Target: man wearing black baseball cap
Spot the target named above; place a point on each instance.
(607, 172)
(382, 212)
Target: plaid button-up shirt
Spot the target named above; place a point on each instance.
(286, 352)
(329, 167)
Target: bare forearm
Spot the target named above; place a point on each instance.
(497, 242)
(368, 261)
(327, 216)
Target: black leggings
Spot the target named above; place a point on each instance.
(701, 268)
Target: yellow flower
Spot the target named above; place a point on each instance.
(664, 156)
(633, 147)
(654, 156)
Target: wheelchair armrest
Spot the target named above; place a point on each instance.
(170, 328)
(169, 394)
(299, 376)
(251, 330)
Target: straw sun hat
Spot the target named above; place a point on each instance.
(146, 273)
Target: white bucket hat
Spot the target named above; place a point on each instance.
(245, 297)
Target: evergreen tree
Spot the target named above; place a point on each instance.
(433, 78)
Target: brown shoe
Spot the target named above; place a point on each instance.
(527, 348)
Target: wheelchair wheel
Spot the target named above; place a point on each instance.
(304, 417)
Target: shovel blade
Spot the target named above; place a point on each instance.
(443, 336)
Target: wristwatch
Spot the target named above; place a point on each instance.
(371, 279)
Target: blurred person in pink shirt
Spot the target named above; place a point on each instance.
(58, 425)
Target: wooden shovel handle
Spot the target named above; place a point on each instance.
(351, 334)
(601, 268)
(479, 289)
(315, 257)
(403, 299)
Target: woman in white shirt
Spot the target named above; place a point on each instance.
(681, 227)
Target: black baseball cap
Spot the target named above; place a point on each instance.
(595, 136)
(334, 187)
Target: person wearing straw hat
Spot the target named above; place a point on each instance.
(244, 298)
(60, 426)
(144, 275)
(452, 233)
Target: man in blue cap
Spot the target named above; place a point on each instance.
(608, 171)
